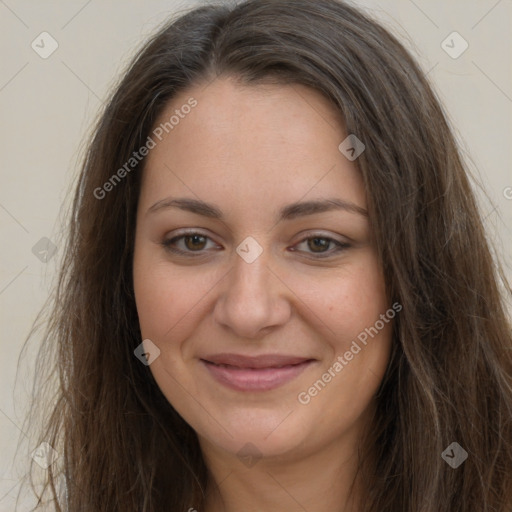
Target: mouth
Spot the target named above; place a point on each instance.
(261, 373)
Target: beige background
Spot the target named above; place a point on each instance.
(47, 106)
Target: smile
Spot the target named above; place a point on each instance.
(262, 373)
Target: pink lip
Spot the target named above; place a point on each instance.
(260, 373)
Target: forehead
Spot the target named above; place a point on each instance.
(266, 140)
(226, 104)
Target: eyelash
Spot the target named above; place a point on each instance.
(168, 245)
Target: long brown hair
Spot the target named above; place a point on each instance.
(121, 445)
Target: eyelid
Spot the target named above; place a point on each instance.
(318, 233)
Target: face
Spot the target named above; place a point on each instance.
(255, 272)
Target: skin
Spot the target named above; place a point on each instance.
(250, 151)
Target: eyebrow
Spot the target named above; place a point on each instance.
(289, 212)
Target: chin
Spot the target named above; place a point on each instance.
(257, 434)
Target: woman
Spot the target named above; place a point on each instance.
(277, 293)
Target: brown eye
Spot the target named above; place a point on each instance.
(195, 242)
(191, 244)
(319, 244)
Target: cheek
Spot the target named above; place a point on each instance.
(360, 344)
(155, 298)
(166, 297)
(344, 301)
(168, 302)
(361, 300)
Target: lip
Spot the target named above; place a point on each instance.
(258, 373)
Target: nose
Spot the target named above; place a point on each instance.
(252, 300)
